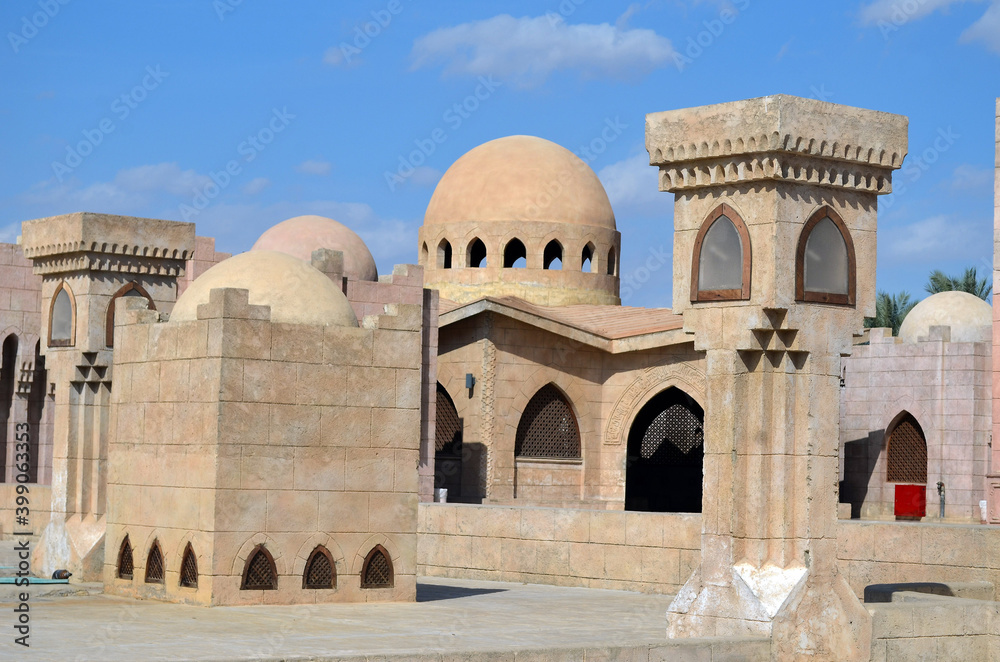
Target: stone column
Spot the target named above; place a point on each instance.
(769, 547)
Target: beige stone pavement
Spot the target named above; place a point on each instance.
(452, 620)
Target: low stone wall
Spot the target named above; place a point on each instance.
(656, 552)
(894, 552)
(648, 552)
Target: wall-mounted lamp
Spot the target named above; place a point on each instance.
(470, 381)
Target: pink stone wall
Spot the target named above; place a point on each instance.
(946, 387)
(204, 258)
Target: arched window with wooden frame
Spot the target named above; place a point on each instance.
(548, 427)
(132, 289)
(126, 565)
(320, 571)
(189, 568)
(825, 267)
(259, 573)
(722, 258)
(62, 317)
(377, 570)
(154, 564)
(906, 451)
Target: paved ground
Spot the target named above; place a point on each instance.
(451, 616)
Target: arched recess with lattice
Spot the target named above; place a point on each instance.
(665, 455)
(906, 451)
(448, 431)
(548, 427)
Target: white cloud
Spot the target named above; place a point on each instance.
(970, 178)
(256, 185)
(314, 167)
(633, 187)
(986, 29)
(165, 177)
(899, 12)
(526, 51)
(935, 239)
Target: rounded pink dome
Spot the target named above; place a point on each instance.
(302, 235)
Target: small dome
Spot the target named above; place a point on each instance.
(520, 178)
(296, 292)
(301, 235)
(970, 318)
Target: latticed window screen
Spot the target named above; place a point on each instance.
(154, 565)
(259, 574)
(125, 564)
(672, 436)
(447, 426)
(319, 570)
(377, 571)
(907, 452)
(548, 427)
(189, 568)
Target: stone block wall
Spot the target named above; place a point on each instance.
(204, 258)
(648, 552)
(233, 431)
(946, 386)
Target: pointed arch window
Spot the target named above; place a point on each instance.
(62, 317)
(548, 428)
(320, 570)
(259, 573)
(906, 451)
(515, 255)
(476, 254)
(552, 257)
(154, 564)
(125, 565)
(444, 254)
(587, 258)
(720, 269)
(189, 568)
(132, 289)
(612, 262)
(377, 571)
(825, 262)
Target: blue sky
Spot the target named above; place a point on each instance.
(138, 108)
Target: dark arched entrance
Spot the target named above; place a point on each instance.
(447, 445)
(666, 450)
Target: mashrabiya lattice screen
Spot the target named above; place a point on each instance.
(125, 565)
(154, 564)
(319, 571)
(189, 568)
(673, 434)
(447, 426)
(547, 428)
(260, 574)
(907, 452)
(377, 571)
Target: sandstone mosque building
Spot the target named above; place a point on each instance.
(273, 427)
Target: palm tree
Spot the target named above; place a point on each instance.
(890, 311)
(968, 282)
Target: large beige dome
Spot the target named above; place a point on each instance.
(296, 292)
(301, 235)
(520, 178)
(970, 318)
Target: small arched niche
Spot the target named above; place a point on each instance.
(62, 317)
(720, 269)
(132, 289)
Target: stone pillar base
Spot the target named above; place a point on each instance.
(806, 614)
(75, 544)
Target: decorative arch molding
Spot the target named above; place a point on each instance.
(63, 286)
(251, 545)
(109, 321)
(379, 539)
(699, 295)
(650, 382)
(573, 393)
(306, 549)
(890, 412)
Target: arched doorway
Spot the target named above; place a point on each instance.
(8, 372)
(447, 445)
(666, 450)
(906, 465)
